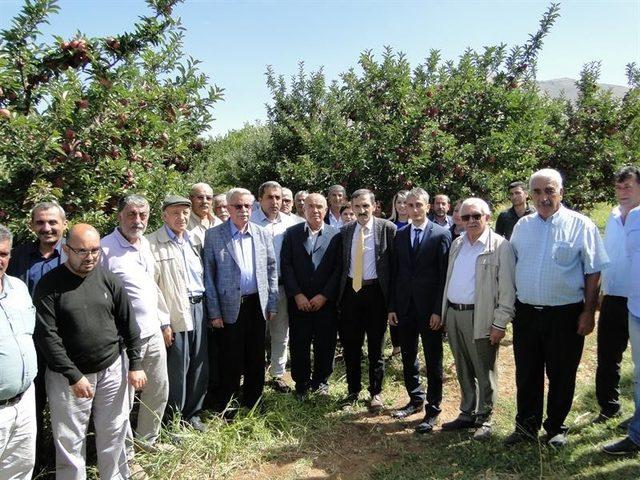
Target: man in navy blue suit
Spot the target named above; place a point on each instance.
(310, 262)
(419, 271)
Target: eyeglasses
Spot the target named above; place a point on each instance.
(475, 216)
(240, 206)
(204, 197)
(83, 252)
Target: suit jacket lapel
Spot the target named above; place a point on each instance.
(346, 254)
(319, 249)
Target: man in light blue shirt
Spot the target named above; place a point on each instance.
(18, 368)
(559, 256)
(267, 214)
(613, 323)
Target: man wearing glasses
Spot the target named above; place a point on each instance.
(201, 218)
(83, 313)
(478, 305)
(241, 279)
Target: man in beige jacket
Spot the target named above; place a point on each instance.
(478, 303)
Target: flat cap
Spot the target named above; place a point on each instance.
(170, 200)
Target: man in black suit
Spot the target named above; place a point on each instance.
(366, 258)
(418, 279)
(310, 263)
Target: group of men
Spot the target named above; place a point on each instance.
(187, 315)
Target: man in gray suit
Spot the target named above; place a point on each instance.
(366, 253)
(241, 291)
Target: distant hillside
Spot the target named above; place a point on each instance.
(556, 86)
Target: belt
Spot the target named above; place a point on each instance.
(542, 308)
(11, 401)
(462, 307)
(246, 298)
(366, 283)
(195, 299)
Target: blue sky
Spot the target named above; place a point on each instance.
(236, 40)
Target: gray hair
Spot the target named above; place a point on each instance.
(197, 186)
(300, 192)
(269, 184)
(362, 192)
(6, 235)
(442, 195)
(478, 202)
(333, 188)
(133, 199)
(48, 206)
(239, 191)
(547, 174)
(287, 191)
(419, 192)
(318, 196)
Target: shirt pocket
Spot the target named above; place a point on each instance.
(563, 253)
(24, 320)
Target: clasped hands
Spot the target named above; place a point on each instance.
(313, 305)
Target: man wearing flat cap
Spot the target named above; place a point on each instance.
(179, 276)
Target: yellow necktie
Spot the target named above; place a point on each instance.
(358, 261)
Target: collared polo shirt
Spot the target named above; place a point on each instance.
(508, 219)
(18, 361)
(39, 266)
(192, 264)
(134, 265)
(616, 277)
(462, 284)
(553, 256)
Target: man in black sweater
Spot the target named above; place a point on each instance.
(83, 316)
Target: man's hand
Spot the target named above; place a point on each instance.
(496, 335)
(217, 323)
(137, 379)
(586, 323)
(435, 322)
(82, 388)
(392, 319)
(302, 302)
(167, 334)
(271, 316)
(317, 302)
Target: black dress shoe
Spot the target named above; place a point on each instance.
(197, 424)
(458, 424)
(406, 411)
(427, 424)
(626, 446)
(605, 417)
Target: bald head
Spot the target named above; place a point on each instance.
(82, 249)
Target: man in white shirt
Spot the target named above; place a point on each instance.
(364, 290)
(613, 328)
(269, 216)
(126, 253)
(478, 305)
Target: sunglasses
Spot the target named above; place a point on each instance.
(475, 216)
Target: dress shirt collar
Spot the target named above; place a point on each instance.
(482, 239)
(6, 286)
(555, 218)
(235, 231)
(307, 228)
(124, 243)
(368, 225)
(174, 237)
(262, 217)
(422, 226)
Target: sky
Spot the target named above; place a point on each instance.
(237, 39)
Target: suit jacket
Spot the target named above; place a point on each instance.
(384, 231)
(222, 272)
(315, 272)
(419, 277)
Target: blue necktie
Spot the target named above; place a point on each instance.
(416, 239)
